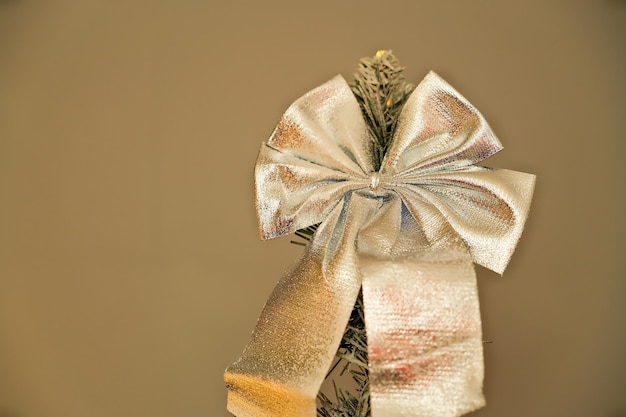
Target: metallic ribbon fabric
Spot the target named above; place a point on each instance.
(407, 234)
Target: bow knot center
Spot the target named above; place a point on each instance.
(374, 181)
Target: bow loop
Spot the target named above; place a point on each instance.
(487, 208)
(320, 150)
(438, 129)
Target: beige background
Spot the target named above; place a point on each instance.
(131, 272)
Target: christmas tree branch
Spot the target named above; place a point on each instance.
(381, 90)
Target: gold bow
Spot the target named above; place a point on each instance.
(407, 234)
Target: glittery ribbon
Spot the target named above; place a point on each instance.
(407, 234)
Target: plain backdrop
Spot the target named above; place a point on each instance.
(131, 270)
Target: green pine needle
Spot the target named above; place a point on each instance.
(381, 91)
(351, 357)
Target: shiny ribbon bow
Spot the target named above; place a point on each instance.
(407, 234)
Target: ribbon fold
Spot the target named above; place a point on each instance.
(407, 234)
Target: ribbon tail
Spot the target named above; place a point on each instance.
(297, 335)
(293, 344)
(424, 335)
(281, 368)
